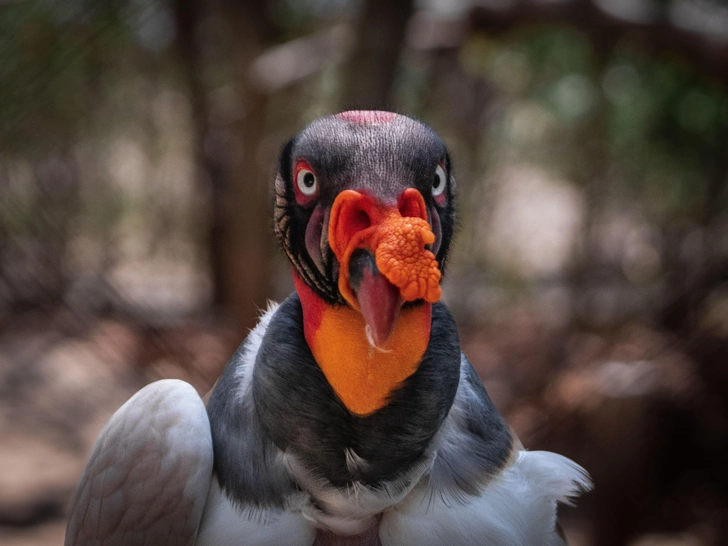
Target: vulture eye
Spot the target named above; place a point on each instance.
(306, 182)
(438, 183)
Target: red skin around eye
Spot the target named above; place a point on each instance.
(302, 199)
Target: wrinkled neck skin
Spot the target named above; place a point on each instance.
(362, 376)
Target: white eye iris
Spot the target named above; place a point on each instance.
(306, 182)
(439, 182)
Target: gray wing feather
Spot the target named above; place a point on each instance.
(474, 442)
(149, 472)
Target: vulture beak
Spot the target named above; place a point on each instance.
(383, 257)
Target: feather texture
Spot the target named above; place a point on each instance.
(147, 478)
(226, 524)
(515, 508)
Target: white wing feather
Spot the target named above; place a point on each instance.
(225, 524)
(148, 475)
(516, 508)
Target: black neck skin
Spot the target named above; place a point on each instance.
(302, 415)
(291, 407)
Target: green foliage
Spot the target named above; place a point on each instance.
(53, 58)
(654, 123)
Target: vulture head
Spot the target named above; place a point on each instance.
(364, 211)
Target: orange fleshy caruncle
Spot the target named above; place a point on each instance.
(402, 258)
(396, 235)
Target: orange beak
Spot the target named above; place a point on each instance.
(383, 257)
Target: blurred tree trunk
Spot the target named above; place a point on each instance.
(689, 282)
(240, 245)
(370, 72)
(35, 231)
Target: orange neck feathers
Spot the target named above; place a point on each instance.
(362, 376)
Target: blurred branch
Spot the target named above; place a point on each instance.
(650, 22)
(284, 65)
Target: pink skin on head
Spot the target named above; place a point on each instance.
(367, 116)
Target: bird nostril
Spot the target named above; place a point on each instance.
(360, 220)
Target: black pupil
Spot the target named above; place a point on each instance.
(308, 180)
(436, 182)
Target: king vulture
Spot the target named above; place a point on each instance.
(349, 415)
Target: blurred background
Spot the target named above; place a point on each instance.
(138, 142)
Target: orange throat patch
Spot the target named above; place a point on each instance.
(363, 377)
